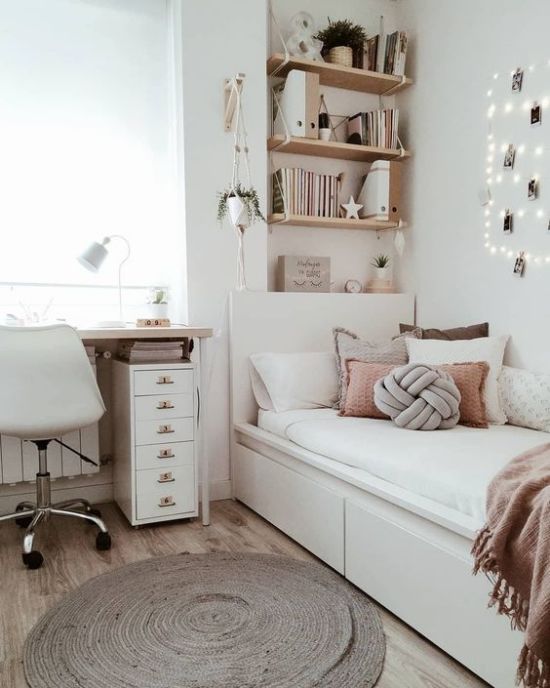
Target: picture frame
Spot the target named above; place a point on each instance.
(517, 80)
(532, 189)
(508, 222)
(509, 157)
(519, 265)
(536, 115)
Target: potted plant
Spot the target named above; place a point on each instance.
(241, 204)
(342, 42)
(158, 303)
(381, 264)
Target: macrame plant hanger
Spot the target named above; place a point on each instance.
(240, 219)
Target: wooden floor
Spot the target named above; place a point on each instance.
(70, 559)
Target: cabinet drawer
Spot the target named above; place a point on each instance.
(176, 495)
(165, 456)
(163, 382)
(164, 431)
(163, 406)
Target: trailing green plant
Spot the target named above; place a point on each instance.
(250, 199)
(380, 261)
(342, 32)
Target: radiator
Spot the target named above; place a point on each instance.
(19, 460)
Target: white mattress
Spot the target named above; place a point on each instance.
(451, 467)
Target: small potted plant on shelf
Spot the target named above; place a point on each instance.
(381, 264)
(241, 204)
(343, 43)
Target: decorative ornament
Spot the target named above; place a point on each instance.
(399, 242)
(353, 286)
(352, 208)
(301, 43)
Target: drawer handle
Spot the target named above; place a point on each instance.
(165, 454)
(166, 480)
(165, 380)
(165, 405)
(164, 430)
(167, 501)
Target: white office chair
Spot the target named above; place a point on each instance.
(47, 388)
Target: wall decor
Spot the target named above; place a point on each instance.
(352, 208)
(353, 286)
(514, 200)
(303, 273)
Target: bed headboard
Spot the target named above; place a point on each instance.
(286, 322)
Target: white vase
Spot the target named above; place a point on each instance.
(158, 311)
(237, 212)
(382, 273)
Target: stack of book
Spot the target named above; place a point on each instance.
(396, 53)
(376, 128)
(151, 351)
(300, 192)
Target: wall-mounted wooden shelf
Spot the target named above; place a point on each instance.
(341, 77)
(328, 222)
(333, 149)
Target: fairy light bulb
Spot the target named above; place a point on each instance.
(538, 150)
(508, 107)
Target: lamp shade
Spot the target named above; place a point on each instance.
(93, 257)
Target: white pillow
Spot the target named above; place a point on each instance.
(282, 382)
(525, 398)
(489, 349)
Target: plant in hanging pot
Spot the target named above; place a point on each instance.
(241, 204)
(343, 42)
(381, 264)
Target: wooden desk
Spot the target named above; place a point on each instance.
(177, 331)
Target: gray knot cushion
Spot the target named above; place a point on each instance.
(418, 397)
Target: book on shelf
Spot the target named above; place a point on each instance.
(395, 53)
(372, 53)
(302, 192)
(377, 128)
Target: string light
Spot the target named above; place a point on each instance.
(538, 150)
(508, 107)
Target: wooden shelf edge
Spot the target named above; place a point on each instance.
(339, 76)
(329, 222)
(333, 149)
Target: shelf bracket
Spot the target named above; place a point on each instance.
(395, 88)
(232, 88)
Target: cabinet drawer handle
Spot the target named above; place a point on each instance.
(164, 430)
(167, 501)
(165, 405)
(165, 454)
(165, 380)
(167, 480)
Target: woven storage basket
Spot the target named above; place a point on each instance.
(341, 55)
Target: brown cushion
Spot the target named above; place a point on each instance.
(469, 332)
(362, 377)
(470, 379)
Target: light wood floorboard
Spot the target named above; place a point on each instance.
(71, 559)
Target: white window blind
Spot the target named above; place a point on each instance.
(86, 145)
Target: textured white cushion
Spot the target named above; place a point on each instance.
(489, 349)
(525, 398)
(294, 381)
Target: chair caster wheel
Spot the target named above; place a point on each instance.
(24, 521)
(103, 542)
(94, 512)
(33, 560)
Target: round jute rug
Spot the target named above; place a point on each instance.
(209, 621)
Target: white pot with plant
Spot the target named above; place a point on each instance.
(240, 202)
(158, 303)
(381, 265)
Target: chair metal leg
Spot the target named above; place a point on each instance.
(79, 514)
(17, 514)
(70, 503)
(28, 538)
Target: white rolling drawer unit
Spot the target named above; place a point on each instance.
(155, 410)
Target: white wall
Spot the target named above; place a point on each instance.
(350, 251)
(220, 39)
(456, 49)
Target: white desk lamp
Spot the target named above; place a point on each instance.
(92, 259)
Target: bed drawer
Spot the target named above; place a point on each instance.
(163, 406)
(308, 512)
(162, 432)
(164, 456)
(163, 382)
(165, 492)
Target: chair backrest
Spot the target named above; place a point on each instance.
(47, 385)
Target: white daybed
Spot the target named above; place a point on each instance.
(393, 511)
